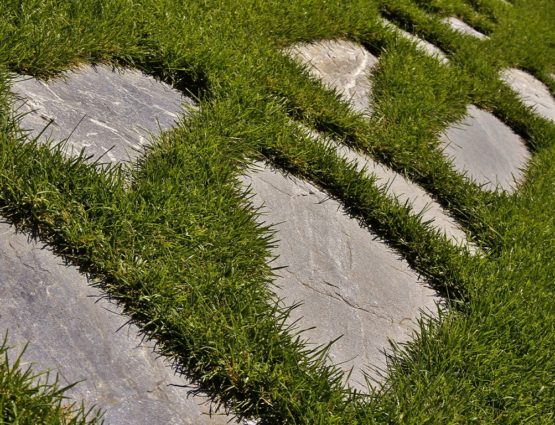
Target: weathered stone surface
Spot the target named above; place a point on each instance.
(74, 332)
(423, 45)
(341, 65)
(531, 91)
(463, 28)
(350, 283)
(486, 149)
(108, 113)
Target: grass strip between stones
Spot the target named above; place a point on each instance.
(175, 241)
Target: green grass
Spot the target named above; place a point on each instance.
(176, 242)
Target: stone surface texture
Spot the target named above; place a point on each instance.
(81, 336)
(531, 91)
(341, 65)
(487, 150)
(50, 305)
(351, 284)
(464, 28)
(423, 45)
(109, 113)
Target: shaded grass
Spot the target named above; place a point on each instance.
(179, 247)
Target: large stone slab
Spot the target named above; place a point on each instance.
(81, 336)
(486, 150)
(341, 65)
(110, 113)
(351, 284)
(463, 28)
(531, 91)
(423, 45)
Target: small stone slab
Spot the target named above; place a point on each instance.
(486, 150)
(110, 113)
(81, 336)
(531, 91)
(423, 45)
(463, 28)
(350, 283)
(341, 65)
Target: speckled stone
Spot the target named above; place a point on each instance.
(531, 91)
(423, 45)
(81, 336)
(342, 66)
(110, 113)
(351, 284)
(486, 150)
(463, 28)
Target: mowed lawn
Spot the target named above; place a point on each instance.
(173, 239)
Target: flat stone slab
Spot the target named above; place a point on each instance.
(351, 284)
(531, 91)
(110, 113)
(342, 66)
(81, 336)
(463, 28)
(423, 45)
(486, 150)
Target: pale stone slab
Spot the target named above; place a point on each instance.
(487, 150)
(74, 332)
(350, 283)
(463, 28)
(341, 65)
(423, 45)
(531, 91)
(108, 112)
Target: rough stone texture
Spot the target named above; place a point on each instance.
(486, 149)
(464, 28)
(350, 283)
(423, 45)
(109, 113)
(340, 65)
(74, 332)
(531, 91)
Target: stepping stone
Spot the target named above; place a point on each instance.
(422, 45)
(109, 113)
(342, 66)
(321, 58)
(531, 91)
(463, 28)
(486, 150)
(77, 334)
(351, 284)
(81, 336)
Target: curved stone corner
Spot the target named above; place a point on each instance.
(351, 285)
(485, 149)
(531, 91)
(463, 28)
(76, 333)
(109, 113)
(341, 65)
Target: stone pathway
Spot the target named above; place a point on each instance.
(349, 282)
(463, 28)
(531, 91)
